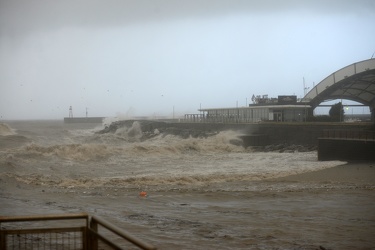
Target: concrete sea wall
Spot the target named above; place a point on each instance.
(346, 149)
(276, 133)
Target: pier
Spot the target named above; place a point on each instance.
(83, 119)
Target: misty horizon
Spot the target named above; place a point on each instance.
(165, 58)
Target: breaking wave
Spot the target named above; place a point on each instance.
(79, 152)
(6, 130)
(134, 133)
(170, 144)
(103, 147)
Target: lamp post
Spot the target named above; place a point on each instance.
(200, 112)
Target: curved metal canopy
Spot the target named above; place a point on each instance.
(354, 82)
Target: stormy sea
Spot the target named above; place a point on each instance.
(204, 190)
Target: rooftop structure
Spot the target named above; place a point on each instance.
(283, 108)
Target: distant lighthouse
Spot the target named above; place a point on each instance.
(70, 112)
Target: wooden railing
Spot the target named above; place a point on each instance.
(68, 231)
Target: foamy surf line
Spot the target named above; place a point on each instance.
(78, 152)
(165, 181)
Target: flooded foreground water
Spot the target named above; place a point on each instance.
(201, 193)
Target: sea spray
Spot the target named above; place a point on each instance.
(5, 130)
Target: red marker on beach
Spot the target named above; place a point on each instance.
(143, 194)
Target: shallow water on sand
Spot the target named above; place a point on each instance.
(202, 193)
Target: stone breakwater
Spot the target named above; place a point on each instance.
(150, 129)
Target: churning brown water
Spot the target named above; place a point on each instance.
(201, 193)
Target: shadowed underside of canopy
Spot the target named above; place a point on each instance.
(354, 82)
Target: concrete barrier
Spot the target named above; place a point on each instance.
(83, 119)
(346, 149)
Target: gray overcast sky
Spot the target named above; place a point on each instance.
(144, 57)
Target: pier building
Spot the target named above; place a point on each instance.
(281, 109)
(355, 82)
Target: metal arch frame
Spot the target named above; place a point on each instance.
(348, 78)
(346, 86)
